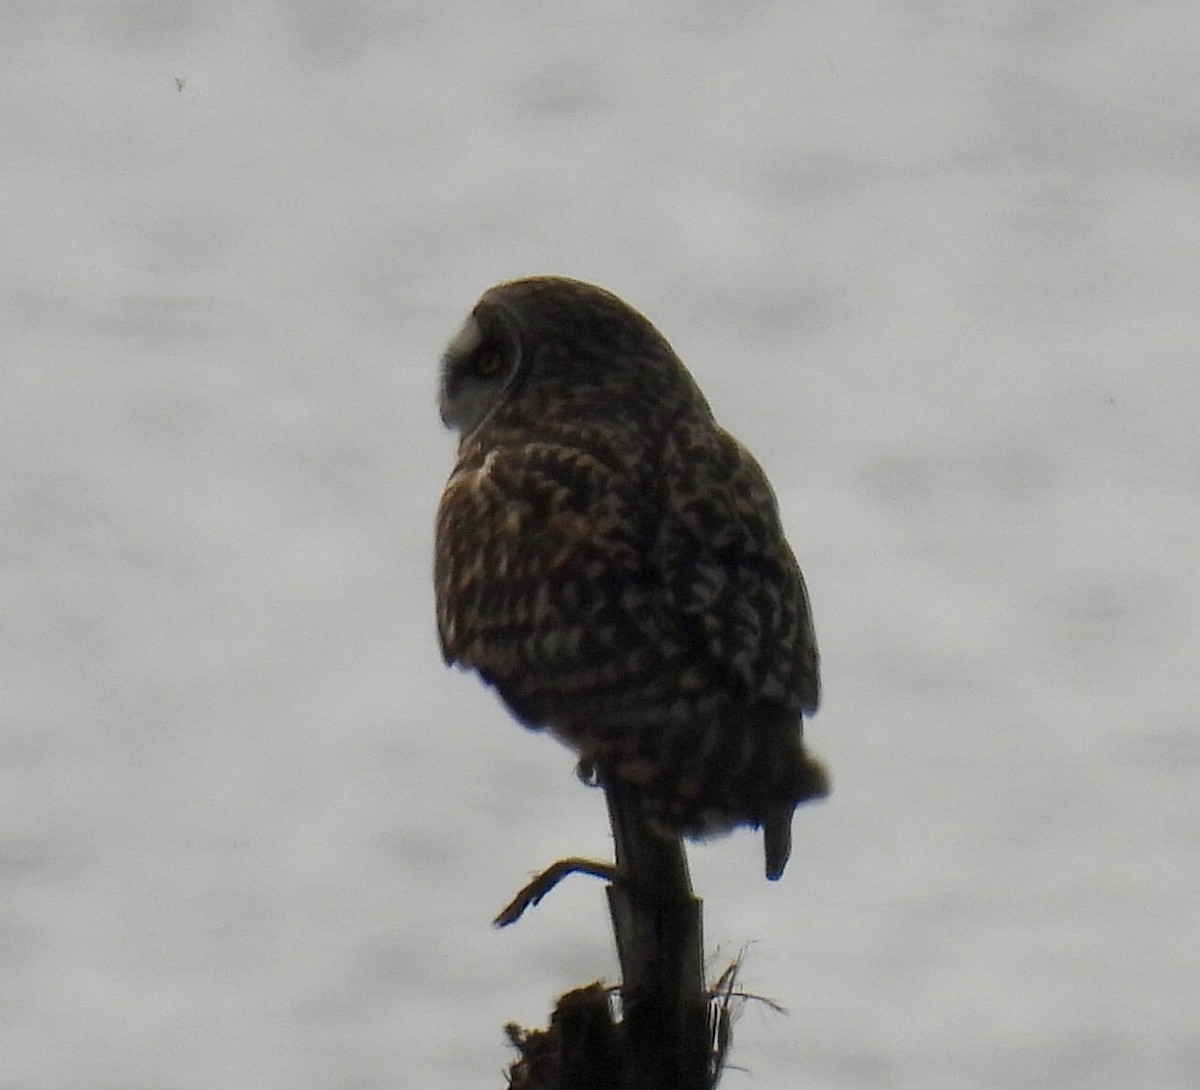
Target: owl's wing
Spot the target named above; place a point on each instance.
(541, 573)
(730, 572)
(564, 579)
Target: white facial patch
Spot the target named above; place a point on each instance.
(466, 340)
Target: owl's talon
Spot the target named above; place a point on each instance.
(533, 892)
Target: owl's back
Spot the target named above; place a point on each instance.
(618, 571)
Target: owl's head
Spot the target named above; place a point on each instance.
(557, 346)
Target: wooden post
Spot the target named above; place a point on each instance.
(664, 1040)
(660, 943)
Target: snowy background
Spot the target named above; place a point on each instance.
(937, 263)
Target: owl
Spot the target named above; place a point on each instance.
(612, 562)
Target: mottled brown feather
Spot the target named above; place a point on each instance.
(613, 563)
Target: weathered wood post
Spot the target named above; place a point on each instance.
(657, 922)
(664, 1040)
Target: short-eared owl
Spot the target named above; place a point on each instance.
(612, 562)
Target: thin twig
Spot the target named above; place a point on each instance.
(542, 883)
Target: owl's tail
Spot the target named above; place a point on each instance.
(745, 770)
(809, 781)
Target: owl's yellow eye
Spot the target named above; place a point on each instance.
(489, 364)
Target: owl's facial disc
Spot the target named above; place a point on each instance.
(475, 370)
(466, 340)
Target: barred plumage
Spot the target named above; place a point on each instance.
(612, 561)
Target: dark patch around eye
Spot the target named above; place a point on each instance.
(489, 363)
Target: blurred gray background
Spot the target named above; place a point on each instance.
(937, 263)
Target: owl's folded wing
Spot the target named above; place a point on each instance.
(541, 573)
(730, 572)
